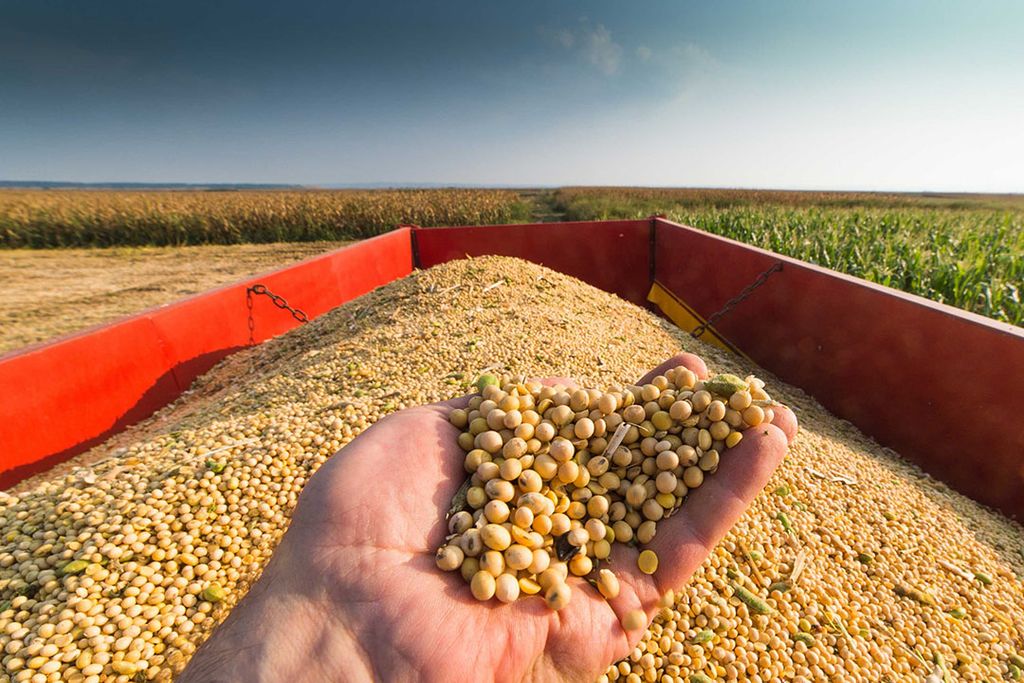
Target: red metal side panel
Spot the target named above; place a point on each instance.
(63, 397)
(217, 321)
(920, 377)
(70, 392)
(612, 255)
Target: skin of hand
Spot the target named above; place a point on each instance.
(352, 592)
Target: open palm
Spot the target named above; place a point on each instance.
(362, 542)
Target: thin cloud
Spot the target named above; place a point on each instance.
(601, 51)
(676, 69)
(592, 44)
(680, 60)
(691, 57)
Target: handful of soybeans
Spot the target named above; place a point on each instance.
(557, 475)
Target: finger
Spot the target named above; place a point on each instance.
(708, 512)
(452, 403)
(786, 421)
(689, 360)
(637, 590)
(566, 382)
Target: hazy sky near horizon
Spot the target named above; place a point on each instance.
(873, 95)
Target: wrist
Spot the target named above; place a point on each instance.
(285, 629)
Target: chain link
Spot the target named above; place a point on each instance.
(279, 301)
(251, 321)
(736, 300)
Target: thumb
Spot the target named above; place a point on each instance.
(694, 362)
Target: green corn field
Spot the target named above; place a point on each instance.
(964, 251)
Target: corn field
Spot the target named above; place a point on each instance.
(960, 250)
(91, 218)
(963, 250)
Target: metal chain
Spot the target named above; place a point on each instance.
(736, 300)
(251, 321)
(278, 301)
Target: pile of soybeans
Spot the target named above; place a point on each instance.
(559, 474)
(117, 565)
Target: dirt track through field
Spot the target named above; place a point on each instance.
(47, 293)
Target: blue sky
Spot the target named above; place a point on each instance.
(816, 95)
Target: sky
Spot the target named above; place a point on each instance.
(867, 95)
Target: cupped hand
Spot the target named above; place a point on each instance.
(353, 593)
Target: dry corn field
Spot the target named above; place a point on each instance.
(48, 293)
(116, 566)
(98, 218)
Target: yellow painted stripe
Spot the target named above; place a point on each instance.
(686, 319)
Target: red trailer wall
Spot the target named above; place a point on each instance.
(63, 397)
(612, 255)
(937, 384)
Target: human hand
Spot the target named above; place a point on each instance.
(353, 593)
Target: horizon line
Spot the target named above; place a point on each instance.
(388, 185)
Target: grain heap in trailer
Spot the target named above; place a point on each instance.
(151, 465)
